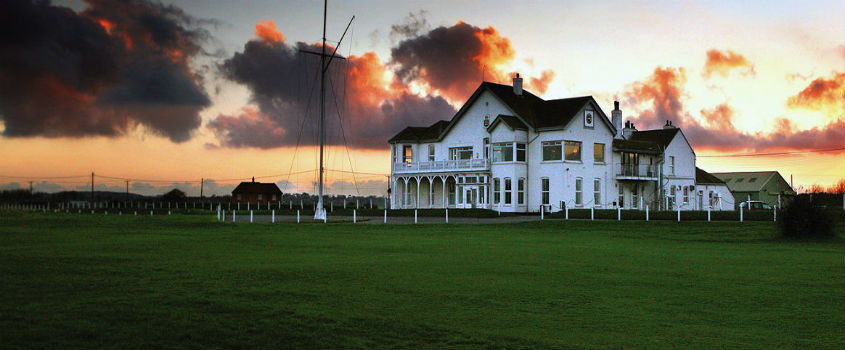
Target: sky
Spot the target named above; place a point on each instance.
(166, 94)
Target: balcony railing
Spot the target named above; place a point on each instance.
(635, 171)
(442, 165)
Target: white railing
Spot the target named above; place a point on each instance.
(441, 165)
(634, 170)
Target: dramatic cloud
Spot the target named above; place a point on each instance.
(541, 84)
(453, 59)
(722, 63)
(827, 95)
(114, 66)
(361, 92)
(266, 31)
(660, 98)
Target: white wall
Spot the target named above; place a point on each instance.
(684, 172)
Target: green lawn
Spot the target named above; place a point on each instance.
(72, 281)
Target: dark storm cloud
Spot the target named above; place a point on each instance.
(116, 65)
(284, 85)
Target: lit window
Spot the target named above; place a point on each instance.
(407, 154)
(579, 184)
(598, 152)
(551, 150)
(572, 150)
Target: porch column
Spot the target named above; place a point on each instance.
(417, 200)
(405, 195)
(430, 192)
(445, 203)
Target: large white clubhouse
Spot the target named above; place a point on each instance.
(509, 150)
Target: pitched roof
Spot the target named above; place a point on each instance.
(535, 111)
(420, 134)
(636, 146)
(257, 187)
(749, 181)
(703, 177)
(662, 137)
(509, 120)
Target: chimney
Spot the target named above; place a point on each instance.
(517, 85)
(669, 125)
(629, 130)
(617, 119)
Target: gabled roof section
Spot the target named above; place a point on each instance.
(532, 110)
(257, 187)
(622, 145)
(703, 177)
(512, 122)
(662, 137)
(751, 181)
(420, 134)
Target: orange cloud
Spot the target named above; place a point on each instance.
(266, 30)
(722, 63)
(541, 84)
(826, 95)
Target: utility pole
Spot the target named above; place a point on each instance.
(92, 187)
(202, 182)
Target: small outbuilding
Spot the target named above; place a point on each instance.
(712, 192)
(256, 192)
(764, 186)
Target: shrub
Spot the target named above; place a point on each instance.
(805, 218)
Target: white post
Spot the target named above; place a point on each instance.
(356, 204)
(248, 206)
(250, 216)
(775, 213)
(385, 216)
(542, 212)
(618, 214)
(344, 202)
(151, 213)
(592, 214)
(740, 213)
(300, 204)
(325, 217)
(566, 210)
(679, 214)
(136, 213)
(354, 216)
(646, 213)
(274, 216)
(168, 212)
(297, 216)
(708, 214)
(415, 216)
(223, 216)
(447, 215)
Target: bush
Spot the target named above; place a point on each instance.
(805, 218)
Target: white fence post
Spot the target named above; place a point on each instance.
(274, 216)
(151, 213)
(646, 213)
(775, 213)
(297, 216)
(356, 204)
(354, 216)
(447, 215)
(566, 210)
(740, 214)
(385, 216)
(708, 214)
(592, 214)
(542, 212)
(234, 216)
(679, 214)
(618, 214)
(250, 216)
(415, 216)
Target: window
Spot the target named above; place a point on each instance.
(686, 195)
(460, 194)
(497, 196)
(578, 191)
(520, 152)
(451, 192)
(503, 152)
(572, 150)
(671, 165)
(481, 192)
(407, 154)
(545, 190)
(635, 197)
(621, 202)
(520, 191)
(486, 148)
(711, 199)
(507, 190)
(456, 153)
(430, 153)
(274, 197)
(551, 150)
(672, 197)
(239, 196)
(260, 196)
(597, 192)
(598, 152)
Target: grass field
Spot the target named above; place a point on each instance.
(186, 281)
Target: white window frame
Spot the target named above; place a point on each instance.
(497, 196)
(431, 152)
(597, 192)
(545, 186)
(520, 191)
(635, 197)
(508, 191)
(407, 158)
(579, 191)
(621, 203)
(558, 144)
(686, 195)
(671, 165)
(520, 147)
(504, 146)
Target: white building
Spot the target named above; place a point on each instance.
(509, 150)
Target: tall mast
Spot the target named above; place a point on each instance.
(319, 213)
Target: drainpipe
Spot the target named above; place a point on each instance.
(528, 173)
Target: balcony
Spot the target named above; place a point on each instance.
(636, 172)
(441, 166)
